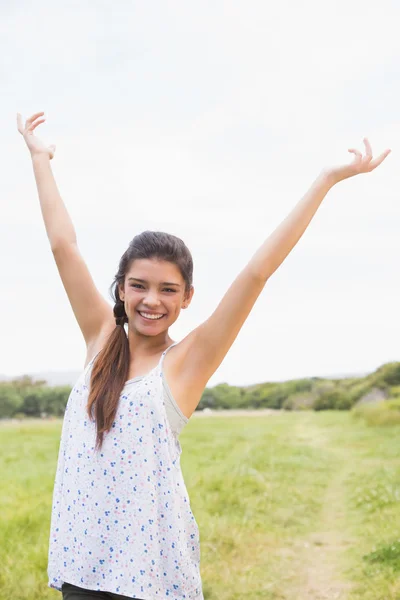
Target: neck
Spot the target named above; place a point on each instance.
(146, 344)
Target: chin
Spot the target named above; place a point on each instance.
(151, 331)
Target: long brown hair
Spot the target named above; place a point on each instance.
(111, 366)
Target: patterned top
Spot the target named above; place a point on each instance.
(121, 519)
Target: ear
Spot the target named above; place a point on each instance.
(188, 298)
(121, 292)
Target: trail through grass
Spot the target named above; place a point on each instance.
(320, 555)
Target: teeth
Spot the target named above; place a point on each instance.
(147, 316)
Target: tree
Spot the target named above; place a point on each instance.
(10, 401)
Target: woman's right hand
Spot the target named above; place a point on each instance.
(36, 146)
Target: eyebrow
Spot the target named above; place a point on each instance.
(144, 281)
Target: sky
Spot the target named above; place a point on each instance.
(208, 120)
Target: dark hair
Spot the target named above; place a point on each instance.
(111, 367)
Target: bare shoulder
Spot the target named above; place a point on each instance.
(185, 380)
(94, 346)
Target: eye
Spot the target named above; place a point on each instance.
(169, 290)
(137, 285)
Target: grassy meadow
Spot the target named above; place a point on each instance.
(293, 505)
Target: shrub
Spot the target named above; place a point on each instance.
(388, 374)
(382, 413)
(333, 399)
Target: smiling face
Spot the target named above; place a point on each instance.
(154, 293)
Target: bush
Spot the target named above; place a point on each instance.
(394, 404)
(334, 399)
(394, 391)
(388, 374)
(386, 413)
(10, 401)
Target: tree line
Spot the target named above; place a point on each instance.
(24, 397)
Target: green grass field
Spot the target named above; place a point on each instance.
(290, 506)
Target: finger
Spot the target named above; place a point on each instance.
(35, 124)
(357, 154)
(34, 117)
(377, 161)
(19, 123)
(368, 150)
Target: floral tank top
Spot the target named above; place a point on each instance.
(121, 518)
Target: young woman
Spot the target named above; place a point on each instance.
(121, 522)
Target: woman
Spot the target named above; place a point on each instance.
(122, 526)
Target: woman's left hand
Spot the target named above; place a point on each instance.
(360, 164)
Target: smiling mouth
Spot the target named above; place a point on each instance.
(150, 316)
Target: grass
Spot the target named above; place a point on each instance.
(289, 506)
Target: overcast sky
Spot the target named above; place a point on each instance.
(208, 120)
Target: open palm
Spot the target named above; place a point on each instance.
(35, 145)
(360, 164)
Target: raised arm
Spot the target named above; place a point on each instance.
(202, 351)
(93, 313)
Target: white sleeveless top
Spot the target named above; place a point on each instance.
(121, 519)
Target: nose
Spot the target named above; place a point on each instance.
(151, 299)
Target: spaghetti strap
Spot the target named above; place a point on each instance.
(160, 364)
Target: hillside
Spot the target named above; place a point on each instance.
(314, 393)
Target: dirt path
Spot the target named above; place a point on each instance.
(320, 555)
